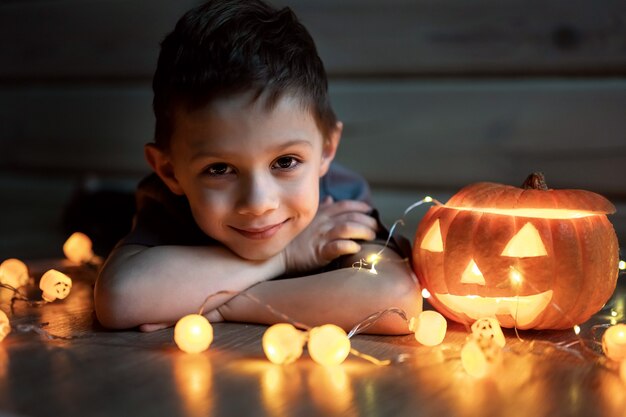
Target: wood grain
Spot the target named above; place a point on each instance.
(97, 372)
(113, 39)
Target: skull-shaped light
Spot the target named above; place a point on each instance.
(14, 272)
(525, 256)
(78, 248)
(55, 284)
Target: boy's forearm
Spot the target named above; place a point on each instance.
(141, 285)
(343, 297)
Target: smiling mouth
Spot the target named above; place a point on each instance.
(523, 309)
(261, 232)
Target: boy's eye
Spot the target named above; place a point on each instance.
(216, 170)
(286, 162)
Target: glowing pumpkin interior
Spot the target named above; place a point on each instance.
(525, 243)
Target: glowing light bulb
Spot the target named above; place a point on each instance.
(78, 248)
(614, 342)
(622, 265)
(577, 330)
(430, 328)
(55, 284)
(373, 260)
(328, 345)
(425, 293)
(5, 325)
(516, 277)
(487, 330)
(473, 359)
(428, 199)
(193, 333)
(282, 343)
(14, 272)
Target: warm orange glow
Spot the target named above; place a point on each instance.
(622, 371)
(328, 345)
(14, 272)
(331, 390)
(524, 309)
(5, 325)
(55, 284)
(282, 343)
(537, 213)
(488, 330)
(193, 377)
(614, 342)
(78, 248)
(473, 359)
(525, 244)
(430, 328)
(193, 333)
(432, 240)
(472, 274)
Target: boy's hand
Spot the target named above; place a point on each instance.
(330, 235)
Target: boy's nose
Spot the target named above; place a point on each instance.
(258, 196)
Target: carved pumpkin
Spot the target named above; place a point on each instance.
(531, 257)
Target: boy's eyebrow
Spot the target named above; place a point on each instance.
(277, 148)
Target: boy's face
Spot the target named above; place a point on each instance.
(251, 175)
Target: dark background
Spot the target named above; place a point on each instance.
(433, 94)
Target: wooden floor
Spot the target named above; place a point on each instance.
(85, 370)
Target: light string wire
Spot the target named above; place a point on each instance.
(359, 327)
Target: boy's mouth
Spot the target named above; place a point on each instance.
(259, 233)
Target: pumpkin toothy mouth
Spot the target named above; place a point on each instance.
(523, 309)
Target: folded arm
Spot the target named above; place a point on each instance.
(343, 297)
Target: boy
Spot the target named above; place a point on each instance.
(243, 190)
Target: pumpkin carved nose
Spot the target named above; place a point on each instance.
(472, 274)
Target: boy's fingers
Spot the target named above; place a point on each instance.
(337, 248)
(344, 206)
(351, 230)
(151, 327)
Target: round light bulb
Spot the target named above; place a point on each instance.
(14, 272)
(5, 325)
(193, 333)
(78, 248)
(614, 342)
(282, 343)
(430, 328)
(328, 345)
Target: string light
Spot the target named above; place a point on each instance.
(328, 345)
(622, 265)
(193, 333)
(78, 248)
(55, 285)
(14, 273)
(614, 342)
(5, 325)
(429, 327)
(282, 343)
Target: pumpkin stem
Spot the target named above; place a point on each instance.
(536, 181)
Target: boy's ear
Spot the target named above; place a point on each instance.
(161, 164)
(330, 148)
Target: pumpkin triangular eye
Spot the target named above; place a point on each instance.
(432, 240)
(472, 274)
(525, 244)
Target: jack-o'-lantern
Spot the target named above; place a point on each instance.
(532, 257)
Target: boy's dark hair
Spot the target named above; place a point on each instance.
(226, 47)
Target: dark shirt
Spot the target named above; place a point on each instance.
(164, 218)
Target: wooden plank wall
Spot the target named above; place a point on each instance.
(434, 94)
